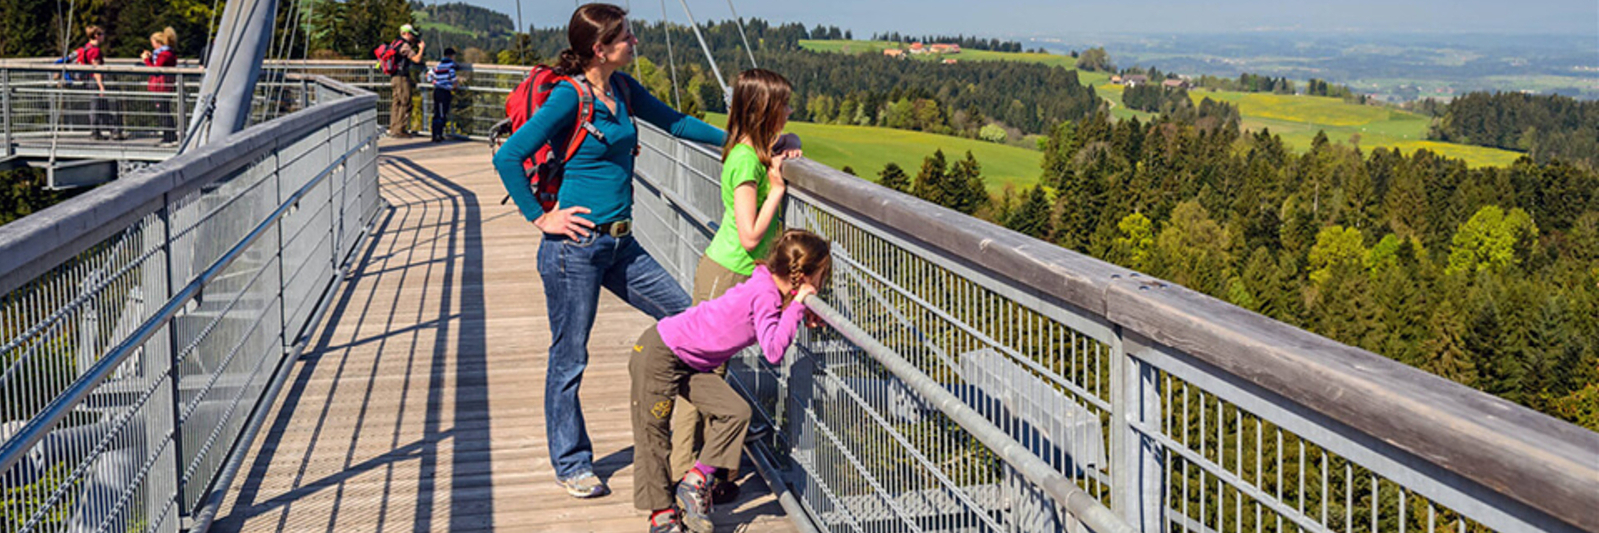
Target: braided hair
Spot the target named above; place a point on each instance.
(798, 254)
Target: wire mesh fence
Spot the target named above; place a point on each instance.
(130, 367)
(1161, 436)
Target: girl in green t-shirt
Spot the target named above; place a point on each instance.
(752, 197)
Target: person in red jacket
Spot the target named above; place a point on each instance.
(162, 55)
(100, 113)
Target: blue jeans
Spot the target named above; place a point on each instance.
(573, 272)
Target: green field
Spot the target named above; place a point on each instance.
(877, 47)
(1297, 119)
(868, 149)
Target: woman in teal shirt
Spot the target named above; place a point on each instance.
(588, 242)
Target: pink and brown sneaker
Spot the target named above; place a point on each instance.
(694, 498)
(666, 521)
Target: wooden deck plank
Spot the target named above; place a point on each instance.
(420, 405)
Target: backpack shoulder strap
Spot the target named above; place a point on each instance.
(584, 125)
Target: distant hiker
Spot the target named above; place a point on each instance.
(588, 233)
(100, 115)
(676, 359)
(442, 76)
(161, 55)
(397, 59)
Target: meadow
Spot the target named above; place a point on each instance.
(1298, 118)
(876, 47)
(1295, 118)
(867, 149)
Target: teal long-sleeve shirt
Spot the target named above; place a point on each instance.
(598, 176)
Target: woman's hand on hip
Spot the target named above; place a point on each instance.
(566, 222)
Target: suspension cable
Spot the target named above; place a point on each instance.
(518, 33)
(638, 73)
(205, 104)
(210, 33)
(741, 35)
(727, 94)
(666, 27)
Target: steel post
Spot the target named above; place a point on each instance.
(5, 102)
(234, 65)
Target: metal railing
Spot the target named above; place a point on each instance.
(56, 113)
(969, 367)
(145, 323)
(478, 99)
(60, 112)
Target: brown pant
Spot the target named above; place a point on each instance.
(400, 108)
(659, 377)
(711, 279)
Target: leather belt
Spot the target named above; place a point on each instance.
(616, 228)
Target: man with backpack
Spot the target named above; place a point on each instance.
(442, 76)
(396, 60)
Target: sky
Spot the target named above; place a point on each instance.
(1023, 18)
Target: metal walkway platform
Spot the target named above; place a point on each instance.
(419, 406)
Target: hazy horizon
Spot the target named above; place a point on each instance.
(1130, 17)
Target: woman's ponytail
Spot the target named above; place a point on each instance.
(569, 62)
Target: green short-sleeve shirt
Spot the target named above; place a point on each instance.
(743, 165)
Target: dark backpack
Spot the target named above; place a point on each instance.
(544, 171)
(389, 59)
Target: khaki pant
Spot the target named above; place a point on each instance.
(400, 108)
(711, 279)
(658, 378)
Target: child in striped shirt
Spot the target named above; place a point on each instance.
(442, 76)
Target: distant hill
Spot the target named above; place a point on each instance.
(877, 47)
(462, 25)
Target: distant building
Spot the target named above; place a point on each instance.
(951, 61)
(894, 52)
(917, 48)
(1175, 84)
(946, 48)
(1134, 80)
(1116, 79)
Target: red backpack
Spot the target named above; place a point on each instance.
(389, 59)
(544, 173)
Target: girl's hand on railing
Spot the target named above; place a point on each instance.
(566, 222)
(789, 145)
(805, 291)
(774, 174)
(811, 320)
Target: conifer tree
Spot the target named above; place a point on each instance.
(894, 177)
(930, 181)
(1033, 217)
(1445, 353)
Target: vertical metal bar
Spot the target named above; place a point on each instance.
(5, 96)
(174, 357)
(1124, 493)
(179, 108)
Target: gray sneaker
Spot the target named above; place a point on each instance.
(694, 499)
(584, 485)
